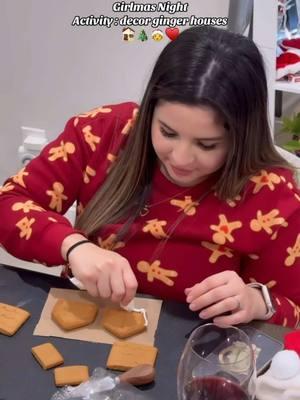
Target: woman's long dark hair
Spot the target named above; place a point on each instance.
(203, 66)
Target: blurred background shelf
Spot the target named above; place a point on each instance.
(290, 87)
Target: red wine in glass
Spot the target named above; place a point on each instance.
(214, 388)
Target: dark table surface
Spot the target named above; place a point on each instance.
(21, 377)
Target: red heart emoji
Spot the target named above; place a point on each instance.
(172, 33)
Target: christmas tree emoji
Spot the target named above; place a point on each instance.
(143, 36)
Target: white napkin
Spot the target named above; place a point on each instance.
(282, 380)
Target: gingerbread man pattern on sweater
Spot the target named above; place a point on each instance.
(183, 238)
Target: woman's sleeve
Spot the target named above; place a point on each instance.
(277, 265)
(32, 202)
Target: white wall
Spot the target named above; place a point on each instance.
(265, 35)
(51, 70)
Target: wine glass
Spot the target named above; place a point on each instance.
(216, 364)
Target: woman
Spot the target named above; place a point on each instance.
(183, 198)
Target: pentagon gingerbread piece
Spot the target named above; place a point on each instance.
(11, 319)
(122, 323)
(73, 314)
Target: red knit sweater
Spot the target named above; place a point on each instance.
(256, 235)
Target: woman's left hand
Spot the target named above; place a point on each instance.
(226, 292)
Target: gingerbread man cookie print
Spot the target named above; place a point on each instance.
(154, 271)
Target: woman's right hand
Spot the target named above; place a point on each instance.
(103, 273)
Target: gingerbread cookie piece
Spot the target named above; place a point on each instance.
(11, 318)
(125, 355)
(73, 314)
(47, 355)
(123, 323)
(72, 375)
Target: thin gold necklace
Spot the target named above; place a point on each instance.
(146, 208)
